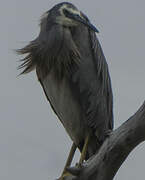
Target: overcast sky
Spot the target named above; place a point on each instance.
(33, 143)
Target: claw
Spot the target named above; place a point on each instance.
(64, 175)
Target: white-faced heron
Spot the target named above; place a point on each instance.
(73, 72)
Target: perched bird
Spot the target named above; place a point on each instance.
(73, 72)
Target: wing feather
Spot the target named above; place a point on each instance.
(103, 73)
(92, 85)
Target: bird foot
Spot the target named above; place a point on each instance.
(64, 176)
(71, 171)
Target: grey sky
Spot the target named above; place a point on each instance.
(33, 143)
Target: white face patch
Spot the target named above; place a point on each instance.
(63, 20)
(73, 11)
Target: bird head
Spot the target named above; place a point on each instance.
(48, 45)
(66, 14)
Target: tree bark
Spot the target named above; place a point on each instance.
(115, 149)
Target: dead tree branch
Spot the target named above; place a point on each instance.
(105, 164)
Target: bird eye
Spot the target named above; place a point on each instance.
(66, 12)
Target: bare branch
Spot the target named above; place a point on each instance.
(105, 164)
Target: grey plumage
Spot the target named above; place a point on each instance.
(73, 72)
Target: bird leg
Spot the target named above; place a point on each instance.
(69, 160)
(84, 150)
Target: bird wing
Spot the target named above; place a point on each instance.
(103, 74)
(92, 86)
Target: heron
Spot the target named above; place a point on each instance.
(73, 72)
